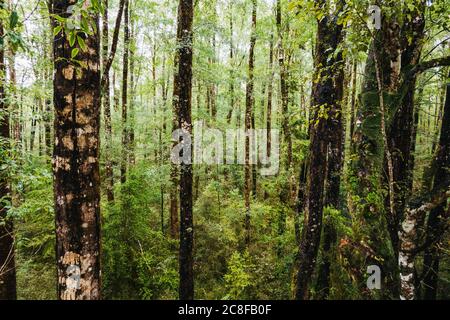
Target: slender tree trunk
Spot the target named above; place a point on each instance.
(132, 98)
(353, 99)
(184, 84)
(231, 59)
(269, 100)
(76, 164)
(255, 151)
(125, 66)
(249, 102)
(109, 174)
(7, 253)
(34, 111)
(284, 87)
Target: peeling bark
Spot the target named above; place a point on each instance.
(76, 164)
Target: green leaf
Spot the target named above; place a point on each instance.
(72, 38)
(75, 52)
(57, 30)
(84, 25)
(59, 18)
(13, 19)
(81, 43)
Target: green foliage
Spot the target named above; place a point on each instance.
(138, 261)
(35, 229)
(238, 278)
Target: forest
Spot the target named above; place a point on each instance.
(224, 149)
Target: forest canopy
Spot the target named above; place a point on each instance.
(224, 149)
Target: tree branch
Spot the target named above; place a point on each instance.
(433, 63)
(112, 53)
(437, 201)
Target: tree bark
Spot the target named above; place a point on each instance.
(132, 96)
(231, 59)
(76, 163)
(112, 53)
(284, 87)
(249, 102)
(7, 251)
(109, 174)
(335, 159)
(269, 99)
(125, 124)
(184, 83)
(436, 221)
(325, 93)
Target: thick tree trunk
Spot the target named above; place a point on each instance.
(325, 93)
(109, 174)
(7, 260)
(335, 159)
(249, 102)
(436, 218)
(382, 76)
(401, 132)
(184, 84)
(76, 164)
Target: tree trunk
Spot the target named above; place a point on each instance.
(109, 174)
(249, 102)
(401, 132)
(335, 159)
(284, 88)
(132, 98)
(125, 124)
(325, 92)
(76, 164)
(353, 100)
(174, 168)
(231, 59)
(436, 220)
(34, 111)
(269, 100)
(7, 254)
(184, 84)
(48, 128)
